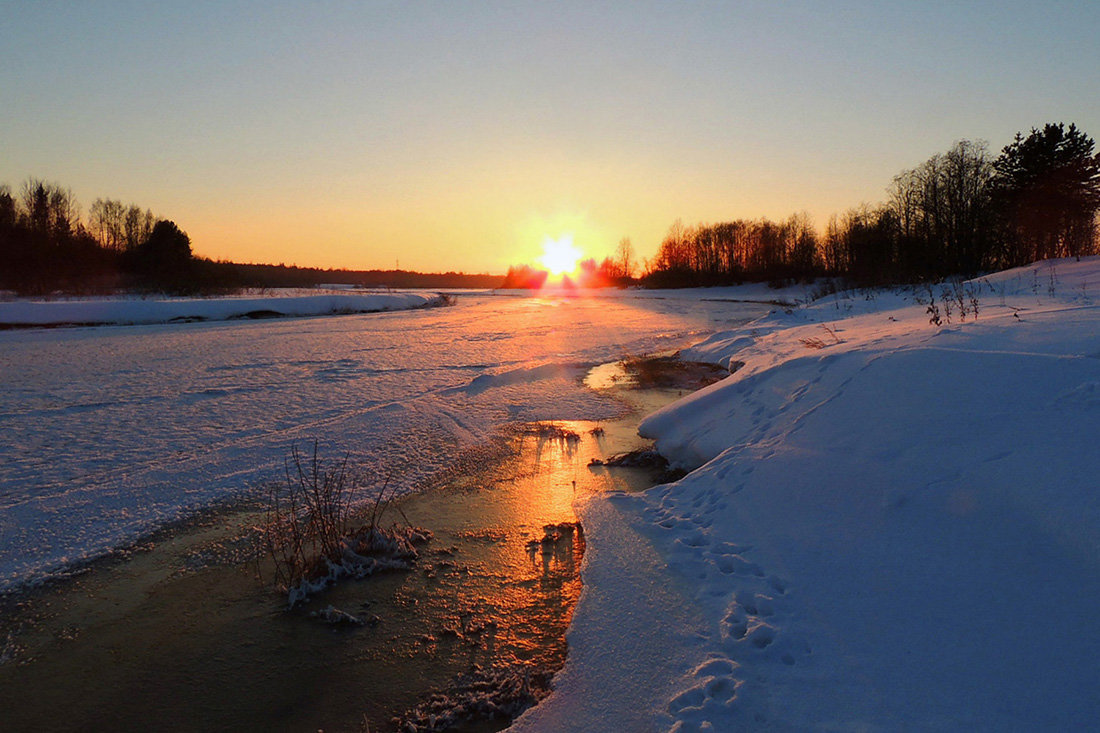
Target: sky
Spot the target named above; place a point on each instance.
(460, 135)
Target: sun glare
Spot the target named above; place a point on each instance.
(560, 256)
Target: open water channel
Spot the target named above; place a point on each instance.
(178, 634)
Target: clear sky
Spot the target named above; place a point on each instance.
(458, 135)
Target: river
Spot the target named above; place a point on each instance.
(180, 635)
(111, 432)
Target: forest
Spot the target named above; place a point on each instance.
(47, 246)
(960, 212)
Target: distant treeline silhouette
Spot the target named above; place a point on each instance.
(958, 213)
(47, 247)
(288, 276)
(617, 271)
(611, 272)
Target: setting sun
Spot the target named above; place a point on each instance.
(560, 256)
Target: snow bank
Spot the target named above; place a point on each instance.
(131, 311)
(890, 525)
(109, 433)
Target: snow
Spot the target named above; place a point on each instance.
(889, 526)
(137, 310)
(109, 433)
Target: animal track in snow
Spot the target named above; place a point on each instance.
(696, 539)
(736, 565)
(761, 635)
(691, 698)
(709, 701)
(715, 666)
(1087, 394)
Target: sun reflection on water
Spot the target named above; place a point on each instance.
(481, 594)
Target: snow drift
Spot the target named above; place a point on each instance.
(135, 310)
(890, 525)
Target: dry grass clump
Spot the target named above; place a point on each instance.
(552, 431)
(310, 534)
(670, 372)
(812, 342)
(494, 694)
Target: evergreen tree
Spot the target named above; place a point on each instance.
(1048, 190)
(163, 260)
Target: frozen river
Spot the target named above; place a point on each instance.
(108, 433)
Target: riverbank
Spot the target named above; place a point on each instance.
(115, 432)
(178, 634)
(890, 523)
(68, 312)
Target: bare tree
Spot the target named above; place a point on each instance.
(7, 209)
(137, 226)
(50, 209)
(624, 257)
(107, 219)
(943, 212)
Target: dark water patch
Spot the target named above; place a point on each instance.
(62, 324)
(669, 372)
(256, 315)
(641, 458)
(655, 373)
(181, 636)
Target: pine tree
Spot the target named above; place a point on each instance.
(1048, 191)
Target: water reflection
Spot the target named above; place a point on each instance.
(158, 644)
(608, 376)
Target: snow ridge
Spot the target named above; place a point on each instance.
(133, 311)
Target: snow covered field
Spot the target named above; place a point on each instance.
(107, 433)
(890, 526)
(137, 310)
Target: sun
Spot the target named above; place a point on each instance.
(560, 256)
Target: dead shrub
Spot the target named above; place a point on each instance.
(310, 536)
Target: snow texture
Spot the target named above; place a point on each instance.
(135, 310)
(109, 433)
(890, 525)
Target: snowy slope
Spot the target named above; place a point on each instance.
(891, 525)
(136, 310)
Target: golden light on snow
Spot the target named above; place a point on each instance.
(560, 256)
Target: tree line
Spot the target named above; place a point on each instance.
(47, 246)
(958, 213)
(616, 271)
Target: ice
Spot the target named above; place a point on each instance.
(888, 524)
(110, 432)
(137, 310)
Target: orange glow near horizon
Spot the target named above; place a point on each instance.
(560, 256)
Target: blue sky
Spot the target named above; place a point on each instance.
(459, 135)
